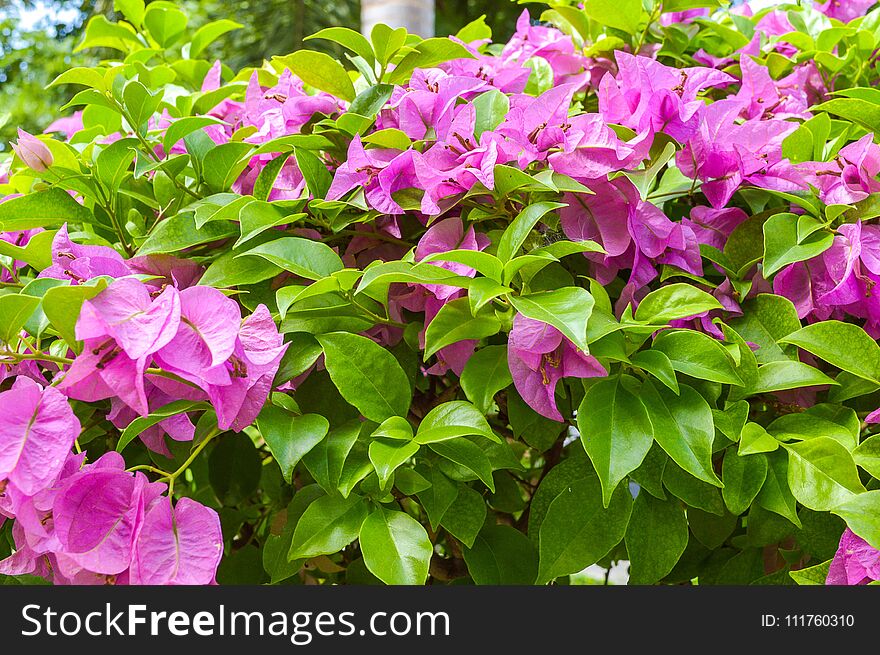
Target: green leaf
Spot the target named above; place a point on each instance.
(467, 454)
(844, 345)
(452, 419)
(779, 376)
(674, 302)
(766, 319)
(368, 376)
(822, 473)
(327, 526)
(621, 14)
(62, 306)
(813, 575)
(743, 477)
(867, 455)
(310, 259)
(180, 128)
(101, 33)
(485, 374)
(781, 245)
(289, 436)
(437, 498)
(314, 171)
(684, 428)
(89, 77)
(386, 42)
(348, 38)
(37, 252)
(466, 515)
(165, 23)
(862, 515)
(395, 427)
(320, 71)
(658, 365)
(698, 355)
(224, 163)
(141, 423)
(518, 231)
(615, 430)
(133, 10)
(178, 232)
(42, 209)
(775, 494)
(426, 54)
(577, 531)
(266, 179)
(567, 309)
(483, 262)
(277, 547)
(396, 547)
(502, 555)
(454, 322)
(140, 104)
(856, 110)
(755, 439)
(813, 423)
(15, 310)
(388, 454)
(326, 459)
(491, 108)
(656, 537)
(207, 34)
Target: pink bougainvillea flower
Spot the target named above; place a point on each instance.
(379, 171)
(32, 151)
(713, 226)
(98, 513)
(177, 546)
(121, 328)
(37, 431)
(539, 356)
(687, 16)
(453, 165)
(552, 45)
(593, 150)
(68, 125)
(647, 96)
(851, 177)
(856, 561)
(844, 10)
(79, 263)
(237, 386)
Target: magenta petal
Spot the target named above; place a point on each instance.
(214, 317)
(179, 546)
(37, 431)
(95, 519)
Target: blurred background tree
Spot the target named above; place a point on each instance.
(38, 40)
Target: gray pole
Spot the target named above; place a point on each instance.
(417, 16)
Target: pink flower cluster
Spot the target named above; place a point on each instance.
(95, 523)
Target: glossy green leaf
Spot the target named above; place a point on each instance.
(578, 531)
(616, 432)
(367, 375)
(822, 473)
(396, 547)
(328, 525)
(656, 537)
(698, 355)
(844, 345)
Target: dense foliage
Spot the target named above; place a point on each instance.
(448, 310)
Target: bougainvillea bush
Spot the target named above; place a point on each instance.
(449, 310)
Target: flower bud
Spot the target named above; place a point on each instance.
(32, 151)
